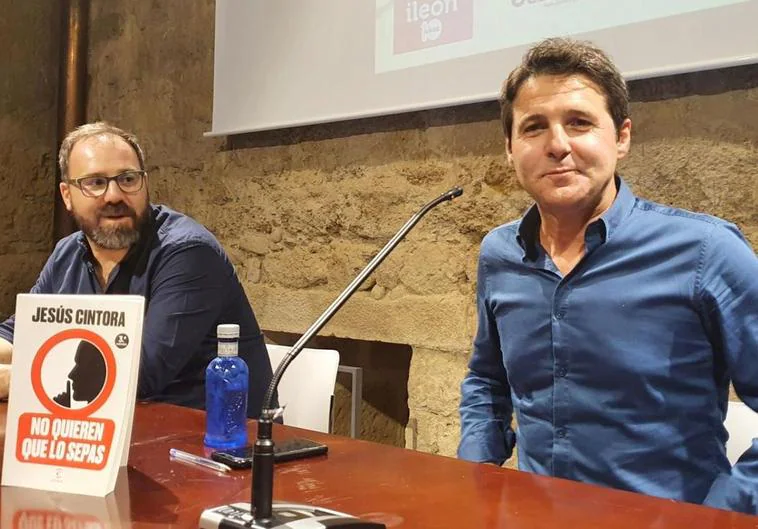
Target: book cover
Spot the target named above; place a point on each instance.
(73, 389)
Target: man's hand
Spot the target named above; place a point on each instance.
(6, 351)
(5, 380)
(64, 399)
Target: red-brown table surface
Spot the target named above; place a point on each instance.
(401, 488)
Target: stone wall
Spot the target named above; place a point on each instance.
(29, 32)
(302, 210)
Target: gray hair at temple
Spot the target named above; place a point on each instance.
(91, 130)
(562, 56)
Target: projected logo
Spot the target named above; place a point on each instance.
(422, 24)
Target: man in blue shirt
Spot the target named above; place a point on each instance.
(611, 326)
(128, 246)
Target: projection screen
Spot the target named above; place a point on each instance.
(284, 63)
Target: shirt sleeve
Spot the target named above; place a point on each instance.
(187, 296)
(486, 409)
(43, 285)
(728, 290)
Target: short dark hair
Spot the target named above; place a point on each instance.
(90, 130)
(562, 56)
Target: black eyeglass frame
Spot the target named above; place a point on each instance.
(90, 194)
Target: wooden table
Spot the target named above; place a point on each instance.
(401, 488)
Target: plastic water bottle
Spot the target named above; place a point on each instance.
(226, 381)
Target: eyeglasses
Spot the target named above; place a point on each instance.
(128, 182)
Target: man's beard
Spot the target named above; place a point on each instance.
(112, 237)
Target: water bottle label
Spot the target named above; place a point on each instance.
(227, 348)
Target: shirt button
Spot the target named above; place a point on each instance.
(560, 433)
(561, 372)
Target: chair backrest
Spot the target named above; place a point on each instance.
(742, 424)
(307, 387)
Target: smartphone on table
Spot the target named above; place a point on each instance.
(286, 450)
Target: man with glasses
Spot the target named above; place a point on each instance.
(128, 246)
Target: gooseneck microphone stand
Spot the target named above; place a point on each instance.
(263, 513)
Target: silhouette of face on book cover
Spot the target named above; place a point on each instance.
(86, 379)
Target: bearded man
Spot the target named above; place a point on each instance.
(126, 245)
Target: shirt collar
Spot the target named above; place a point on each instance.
(603, 228)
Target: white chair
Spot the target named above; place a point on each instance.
(307, 387)
(742, 424)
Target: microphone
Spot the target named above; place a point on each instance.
(265, 513)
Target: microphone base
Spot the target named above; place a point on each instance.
(284, 515)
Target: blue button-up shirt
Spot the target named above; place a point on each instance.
(189, 287)
(618, 373)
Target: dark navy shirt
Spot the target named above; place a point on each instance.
(189, 285)
(618, 373)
